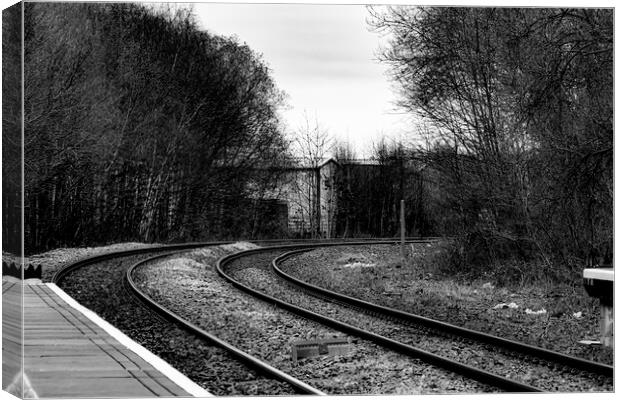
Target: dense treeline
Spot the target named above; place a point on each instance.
(11, 130)
(518, 105)
(139, 126)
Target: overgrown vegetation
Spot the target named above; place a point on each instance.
(518, 108)
(139, 126)
(421, 286)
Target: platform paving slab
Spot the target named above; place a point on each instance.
(70, 352)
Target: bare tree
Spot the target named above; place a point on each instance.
(520, 104)
(312, 144)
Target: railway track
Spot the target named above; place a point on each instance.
(523, 351)
(397, 330)
(267, 332)
(100, 284)
(191, 349)
(266, 369)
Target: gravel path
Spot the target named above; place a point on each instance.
(99, 287)
(259, 276)
(190, 286)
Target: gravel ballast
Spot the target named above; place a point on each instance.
(190, 286)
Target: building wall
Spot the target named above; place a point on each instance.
(299, 190)
(329, 199)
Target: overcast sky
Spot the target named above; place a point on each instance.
(324, 58)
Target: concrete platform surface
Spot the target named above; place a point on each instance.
(70, 352)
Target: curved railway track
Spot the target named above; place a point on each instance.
(199, 295)
(558, 367)
(103, 282)
(524, 351)
(100, 284)
(300, 387)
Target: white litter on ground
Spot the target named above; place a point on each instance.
(539, 312)
(504, 305)
(358, 265)
(578, 315)
(590, 342)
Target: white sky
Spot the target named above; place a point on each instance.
(324, 58)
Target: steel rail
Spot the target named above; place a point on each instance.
(454, 366)
(549, 355)
(63, 271)
(246, 358)
(68, 268)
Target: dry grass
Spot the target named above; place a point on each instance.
(424, 285)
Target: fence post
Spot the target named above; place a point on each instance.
(402, 231)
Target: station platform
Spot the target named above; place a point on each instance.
(70, 352)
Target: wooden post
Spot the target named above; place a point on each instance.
(402, 231)
(318, 201)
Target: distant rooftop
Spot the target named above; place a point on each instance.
(305, 163)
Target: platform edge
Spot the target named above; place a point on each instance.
(175, 375)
